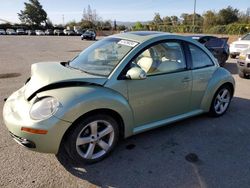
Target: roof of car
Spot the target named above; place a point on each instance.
(141, 36)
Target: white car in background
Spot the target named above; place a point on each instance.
(39, 32)
(239, 46)
(244, 64)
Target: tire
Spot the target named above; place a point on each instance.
(242, 74)
(233, 56)
(221, 101)
(91, 140)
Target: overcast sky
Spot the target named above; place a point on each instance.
(126, 10)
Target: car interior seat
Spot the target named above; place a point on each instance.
(145, 61)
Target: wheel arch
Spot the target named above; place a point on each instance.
(103, 111)
(220, 78)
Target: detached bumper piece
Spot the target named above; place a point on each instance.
(23, 141)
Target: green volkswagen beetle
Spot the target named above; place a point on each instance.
(120, 86)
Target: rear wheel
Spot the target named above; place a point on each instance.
(92, 139)
(221, 101)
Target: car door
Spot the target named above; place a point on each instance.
(202, 70)
(166, 91)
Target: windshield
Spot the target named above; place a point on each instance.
(103, 56)
(246, 37)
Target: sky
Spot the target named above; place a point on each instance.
(126, 10)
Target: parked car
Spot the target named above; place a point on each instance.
(39, 32)
(79, 32)
(10, 32)
(120, 86)
(30, 32)
(49, 32)
(58, 32)
(244, 64)
(89, 35)
(20, 32)
(2, 32)
(239, 46)
(218, 46)
(68, 32)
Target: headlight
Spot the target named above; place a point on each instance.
(44, 108)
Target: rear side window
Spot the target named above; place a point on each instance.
(199, 58)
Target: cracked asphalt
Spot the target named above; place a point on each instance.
(197, 152)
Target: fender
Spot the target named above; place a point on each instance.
(77, 101)
(220, 77)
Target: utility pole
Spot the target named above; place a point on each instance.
(63, 19)
(194, 15)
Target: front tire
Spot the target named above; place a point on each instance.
(92, 139)
(221, 101)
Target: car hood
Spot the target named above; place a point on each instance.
(52, 75)
(241, 42)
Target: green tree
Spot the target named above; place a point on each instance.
(228, 15)
(167, 20)
(138, 26)
(210, 19)
(157, 19)
(33, 13)
(175, 20)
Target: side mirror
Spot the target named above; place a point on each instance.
(239, 38)
(136, 73)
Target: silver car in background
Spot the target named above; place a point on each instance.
(243, 64)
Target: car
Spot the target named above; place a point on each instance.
(30, 32)
(218, 46)
(49, 32)
(79, 32)
(20, 32)
(2, 32)
(58, 32)
(120, 86)
(88, 35)
(10, 32)
(243, 64)
(239, 46)
(39, 32)
(68, 32)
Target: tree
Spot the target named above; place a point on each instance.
(210, 19)
(157, 19)
(175, 20)
(138, 26)
(90, 15)
(33, 13)
(228, 15)
(167, 20)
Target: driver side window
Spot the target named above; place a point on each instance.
(165, 57)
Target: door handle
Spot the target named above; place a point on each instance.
(186, 79)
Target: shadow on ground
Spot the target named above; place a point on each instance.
(197, 152)
(231, 67)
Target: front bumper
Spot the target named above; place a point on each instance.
(16, 115)
(244, 66)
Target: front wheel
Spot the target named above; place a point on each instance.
(221, 101)
(92, 139)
